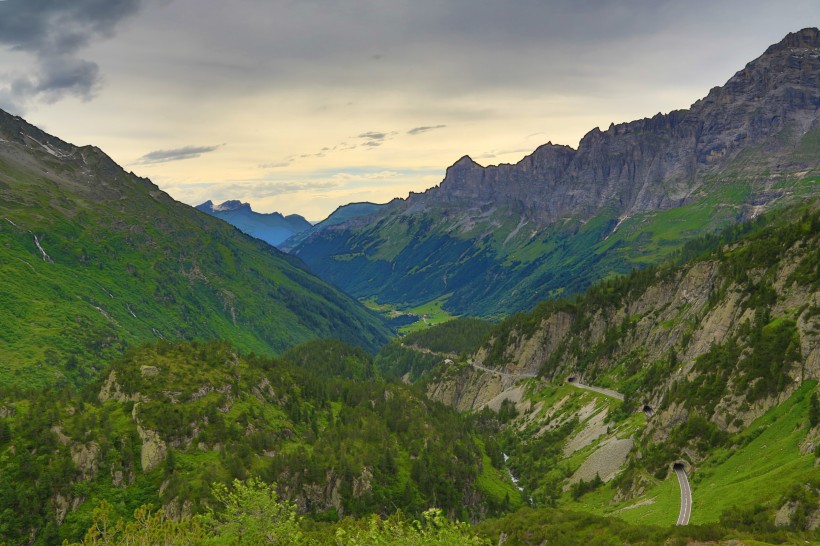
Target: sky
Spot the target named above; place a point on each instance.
(300, 106)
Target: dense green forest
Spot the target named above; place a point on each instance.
(168, 420)
(418, 352)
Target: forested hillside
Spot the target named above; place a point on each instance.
(168, 420)
(710, 363)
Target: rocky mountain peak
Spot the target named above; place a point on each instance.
(232, 205)
(808, 38)
(655, 163)
(227, 206)
(466, 161)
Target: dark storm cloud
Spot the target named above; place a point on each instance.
(177, 154)
(54, 32)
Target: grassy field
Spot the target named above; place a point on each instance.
(660, 506)
(497, 485)
(762, 470)
(429, 314)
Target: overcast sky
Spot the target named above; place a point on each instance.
(300, 106)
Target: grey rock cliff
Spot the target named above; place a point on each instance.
(658, 162)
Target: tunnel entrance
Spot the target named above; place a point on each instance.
(647, 409)
(572, 379)
(678, 466)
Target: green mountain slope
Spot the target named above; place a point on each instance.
(93, 259)
(712, 364)
(494, 240)
(687, 346)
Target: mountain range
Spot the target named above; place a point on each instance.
(272, 228)
(494, 240)
(167, 378)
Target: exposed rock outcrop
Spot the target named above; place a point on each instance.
(86, 459)
(154, 451)
(658, 162)
(112, 391)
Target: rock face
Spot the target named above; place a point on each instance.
(86, 459)
(516, 234)
(153, 451)
(111, 390)
(605, 462)
(657, 162)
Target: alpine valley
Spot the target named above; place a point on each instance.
(95, 259)
(653, 356)
(489, 241)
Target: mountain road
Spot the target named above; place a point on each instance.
(685, 496)
(599, 390)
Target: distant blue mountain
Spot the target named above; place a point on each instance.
(342, 215)
(272, 228)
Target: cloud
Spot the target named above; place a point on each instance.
(424, 129)
(53, 32)
(176, 154)
(277, 165)
(373, 135)
(365, 175)
(373, 139)
(261, 190)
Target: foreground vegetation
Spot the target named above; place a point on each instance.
(252, 513)
(169, 419)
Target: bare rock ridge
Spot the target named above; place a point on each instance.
(658, 162)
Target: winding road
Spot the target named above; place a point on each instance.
(680, 471)
(685, 490)
(599, 390)
(685, 496)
